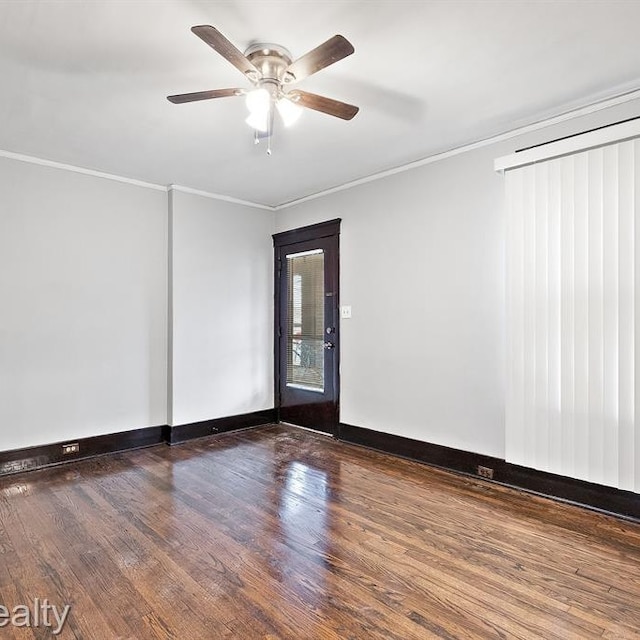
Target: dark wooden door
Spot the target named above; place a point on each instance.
(307, 330)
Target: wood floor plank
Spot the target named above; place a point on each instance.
(278, 533)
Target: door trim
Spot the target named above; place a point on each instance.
(283, 239)
(311, 232)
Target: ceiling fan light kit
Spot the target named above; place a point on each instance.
(289, 111)
(269, 67)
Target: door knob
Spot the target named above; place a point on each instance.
(329, 345)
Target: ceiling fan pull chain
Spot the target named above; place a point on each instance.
(270, 123)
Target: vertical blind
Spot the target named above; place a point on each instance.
(573, 315)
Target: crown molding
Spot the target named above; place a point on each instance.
(594, 107)
(21, 157)
(218, 196)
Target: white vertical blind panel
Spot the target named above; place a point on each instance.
(611, 308)
(529, 333)
(636, 288)
(554, 280)
(540, 313)
(572, 303)
(567, 318)
(626, 373)
(514, 407)
(596, 314)
(579, 289)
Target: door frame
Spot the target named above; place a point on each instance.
(282, 240)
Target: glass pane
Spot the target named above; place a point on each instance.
(305, 320)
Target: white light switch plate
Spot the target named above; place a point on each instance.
(345, 311)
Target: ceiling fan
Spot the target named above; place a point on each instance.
(270, 68)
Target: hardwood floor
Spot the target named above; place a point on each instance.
(281, 533)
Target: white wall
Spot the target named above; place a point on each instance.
(222, 297)
(422, 265)
(83, 319)
(83, 285)
(422, 354)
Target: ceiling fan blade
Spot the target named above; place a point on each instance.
(326, 105)
(204, 95)
(327, 53)
(219, 43)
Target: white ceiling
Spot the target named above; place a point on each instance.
(84, 83)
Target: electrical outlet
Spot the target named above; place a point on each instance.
(485, 472)
(73, 447)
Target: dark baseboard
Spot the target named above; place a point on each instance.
(612, 501)
(594, 496)
(434, 454)
(184, 432)
(51, 454)
(31, 458)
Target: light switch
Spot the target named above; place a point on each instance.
(345, 311)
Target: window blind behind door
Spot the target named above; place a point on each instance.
(305, 322)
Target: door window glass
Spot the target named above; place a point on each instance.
(305, 320)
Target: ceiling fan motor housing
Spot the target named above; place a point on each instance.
(272, 61)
